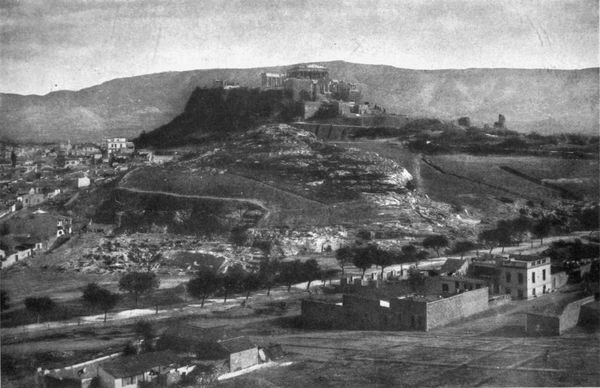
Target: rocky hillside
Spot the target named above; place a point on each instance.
(278, 176)
(543, 100)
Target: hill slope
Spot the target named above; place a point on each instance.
(544, 100)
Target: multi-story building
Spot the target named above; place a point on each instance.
(118, 144)
(525, 277)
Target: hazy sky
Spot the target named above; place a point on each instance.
(47, 45)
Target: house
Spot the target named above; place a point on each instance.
(161, 368)
(64, 226)
(80, 375)
(119, 145)
(406, 312)
(525, 276)
(32, 198)
(211, 344)
(83, 182)
(241, 352)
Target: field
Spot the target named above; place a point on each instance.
(491, 350)
(478, 184)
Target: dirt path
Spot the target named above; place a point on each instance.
(253, 201)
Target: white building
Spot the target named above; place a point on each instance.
(525, 277)
(118, 144)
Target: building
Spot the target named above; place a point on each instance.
(64, 226)
(119, 145)
(272, 80)
(160, 368)
(212, 345)
(32, 198)
(83, 182)
(312, 71)
(525, 277)
(457, 284)
(394, 312)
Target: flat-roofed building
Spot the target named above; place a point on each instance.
(525, 276)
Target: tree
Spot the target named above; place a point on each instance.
(267, 273)
(435, 242)
(504, 233)
(98, 297)
(489, 238)
(231, 280)
(409, 252)
(364, 258)
(290, 272)
(39, 305)
(542, 228)
(421, 255)
(145, 331)
(4, 300)
(464, 246)
(250, 283)
(310, 271)
(344, 257)
(384, 259)
(138, 283)
(203, 285)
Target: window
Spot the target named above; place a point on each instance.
(478, 286)
(520, 278)
(543, 274)
(456, 285)
(533, 291)
(533, 277)
(508, 291)
(520, 293)
(444, 287)
(508, 277)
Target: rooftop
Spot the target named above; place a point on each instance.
(238, 344)
(135, 365)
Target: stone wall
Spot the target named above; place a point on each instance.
(244, 359)
(443, 311)
(555, 324)
(317, 314)
(570, 315)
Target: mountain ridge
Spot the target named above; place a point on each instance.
(545, 100)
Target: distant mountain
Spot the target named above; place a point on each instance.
(543, 100)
